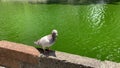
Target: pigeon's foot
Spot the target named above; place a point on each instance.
(47, 49)
(46, 53)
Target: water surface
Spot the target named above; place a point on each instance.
(88, 30)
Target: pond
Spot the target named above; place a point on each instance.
(91, 30)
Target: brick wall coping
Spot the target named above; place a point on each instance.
(19, 52)
(15, 55)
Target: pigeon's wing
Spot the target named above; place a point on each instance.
(44, 41)
(50, 38)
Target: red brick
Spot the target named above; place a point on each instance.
(19, 52)
(10, 63)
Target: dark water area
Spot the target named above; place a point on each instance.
(75, 2)
(91, 30)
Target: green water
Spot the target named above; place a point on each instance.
(87, 30)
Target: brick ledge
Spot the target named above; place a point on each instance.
(15, 55)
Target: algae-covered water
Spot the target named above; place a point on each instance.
(88, 30)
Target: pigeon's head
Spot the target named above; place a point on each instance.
(54, 32)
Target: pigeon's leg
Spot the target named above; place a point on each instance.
(43, 49)
(48, 49)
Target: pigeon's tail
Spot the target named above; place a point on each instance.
(36, 43)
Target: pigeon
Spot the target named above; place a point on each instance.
(48, 40)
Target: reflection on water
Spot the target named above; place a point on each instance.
(96, 16)
(87, 30)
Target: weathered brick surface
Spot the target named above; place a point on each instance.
(18, 52)
(13, 55)
(9, 63)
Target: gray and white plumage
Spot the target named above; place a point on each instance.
(47, 40)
